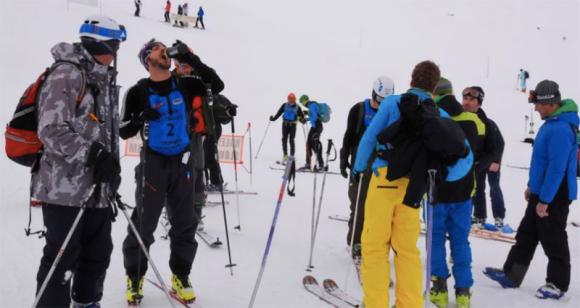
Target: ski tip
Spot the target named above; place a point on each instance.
(329, 283)
(308, 279)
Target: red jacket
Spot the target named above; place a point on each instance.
(168, 7)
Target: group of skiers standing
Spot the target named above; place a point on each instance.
(182, 9)
(424, 142)
(78, 174)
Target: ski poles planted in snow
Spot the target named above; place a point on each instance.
(239, 226)
(123, 207)
(429, 209)
(272, 228)
(315, 222)
(263, 138)
(62, 248)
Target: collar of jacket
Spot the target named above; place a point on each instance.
(423, 95)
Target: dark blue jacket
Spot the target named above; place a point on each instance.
(555, 154)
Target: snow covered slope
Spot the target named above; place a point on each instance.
(331, 50)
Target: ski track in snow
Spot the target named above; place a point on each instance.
(332, 51)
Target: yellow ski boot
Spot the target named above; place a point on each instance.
(182, 288)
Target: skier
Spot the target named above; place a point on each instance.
(452, 212)
(167, 10)
(292, 113)
(551, 188)
(79, 166)
(185, 8)
(490, 165)
(159, 107)
(137, 7)
(313, 140)
(179, 13)
(359, 118)
(523, 76)
(391, 208)
(199, 19)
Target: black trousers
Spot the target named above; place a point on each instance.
(479, 200)
(313, 144)
(85, 259)
(200, 20)
(137, 9)
(360, 215)
(168, 182)
(550, 232)
(212, 165)
(288, 134)
(167, 17)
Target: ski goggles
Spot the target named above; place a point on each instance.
(473, 93)
(120, 34)
(551, 98)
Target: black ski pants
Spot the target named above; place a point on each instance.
(212, 165)
(168, 182)
(313, 144)
(200, 20)
(360, 215)
(288, 135)
(167, 17)
(137, 9)
(550, 232)
(85, 259)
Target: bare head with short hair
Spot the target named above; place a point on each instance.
(425, 76)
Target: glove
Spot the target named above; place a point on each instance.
(106, 168)
(343, 166)
(182, 53)
(272, 118)
(149, 114)
(232, 110)
(303, 120)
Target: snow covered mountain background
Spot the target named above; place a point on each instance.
(332, 51)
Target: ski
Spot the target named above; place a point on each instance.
(300, 170)
(575, 224)
(231, 192)
(312, 286)
(333, 289)
(174, 296)
(493, 235)
(338, 218)
(211, 241)
(517, 167)
(215, 203)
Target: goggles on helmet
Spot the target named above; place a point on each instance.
(120, 34)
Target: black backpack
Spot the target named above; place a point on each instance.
(221, 109)
(526, 74)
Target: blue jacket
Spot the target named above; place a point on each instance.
(387, 114)
(555, 154)
(313, 113)
(200, 12)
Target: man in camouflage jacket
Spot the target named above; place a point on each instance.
(78, 124)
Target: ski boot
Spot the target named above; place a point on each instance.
(549, 290)
(284, 160)
(320, 168)
(438, 294)
(305, 167)
(499, 223)
(462, 297)
(88, 305)
(134, 290)
(499, 276)
(182, 288)
(477, 222)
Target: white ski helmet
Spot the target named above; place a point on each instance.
(102, 28)
(383, 87)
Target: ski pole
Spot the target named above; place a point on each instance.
(315, 225)
(357, 201)
(263, 138)
(221, 187)
(123, 206)
(272, 228)
(62, 248)
(251, 159)
(310, 266)
(429, 207)
(239, 226)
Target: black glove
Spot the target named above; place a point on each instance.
(232, 110)
(272, 118)
(343, 166)
(182, 53)
(106, 167)
(149, 114)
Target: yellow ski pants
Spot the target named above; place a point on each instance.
(388, 223)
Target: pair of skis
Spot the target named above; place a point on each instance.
(303, 170)
(173, 296)
(329, 292)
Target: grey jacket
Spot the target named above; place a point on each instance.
(68, 129)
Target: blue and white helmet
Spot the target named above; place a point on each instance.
(102, 28)
(383, 87)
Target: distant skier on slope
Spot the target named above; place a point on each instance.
(550, 190)
(359, 118)
(292, 113)
(313, 140)
(523, 76)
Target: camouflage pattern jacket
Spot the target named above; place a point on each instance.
(68, 129)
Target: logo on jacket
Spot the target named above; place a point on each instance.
(177, 101)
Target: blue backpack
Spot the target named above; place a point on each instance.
(324, 112)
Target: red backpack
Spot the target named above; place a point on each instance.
(22, 143)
